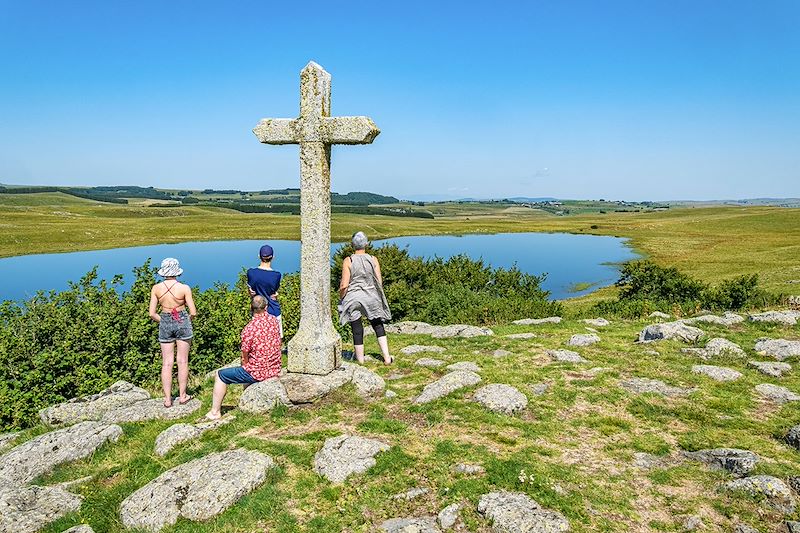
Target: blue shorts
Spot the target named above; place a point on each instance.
(235, 374)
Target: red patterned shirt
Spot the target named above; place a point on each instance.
(261, 339)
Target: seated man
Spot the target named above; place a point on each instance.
(261, 355)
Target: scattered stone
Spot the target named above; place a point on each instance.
(515, 512)
(366, 382)
(521, 336)
(738, 462)
(308, 388)
(596, 322)
(27, 509)
(728, 319)
(154, 409)
(670, 330)
(776, 393)
(411, 494)
(7, 439)
(659, 314)
(197, 490)
(794, 483)
(501, 398)
(787, 318)
(777, 494)
(744, 528)
(345, 455)
(719, 346)
(770, 368)
(180, 433)
(419, 348)
(389, 394)
(67, 485)
(264, 396)
(437, 332)
(469, 469)
(93, 407)
(394, 376)
(424, 524)
(583, 339)
(464, 365)
(717, 373)
(448, 516)
(566, 356)
(793, 437)
(645, 385)
(83, 528)
(780, 349)
(538, 321)
(501, 353)
(647, 461)
(692, 523)
(793, 526)
(537, 389)
(446, 384)
(39, 455)
(427, 361)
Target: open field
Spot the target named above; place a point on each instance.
(711, 243)
(575, 443)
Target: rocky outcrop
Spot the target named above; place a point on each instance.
(264, 396)
(645, 385)
(515, 512)
(670, 330)
(437, 332)
(93, 407)
(469, 469)
(771, 368)
(793, 437)
(419, 348)
(421, 524)
(197, 490)
(180, 433)
(7, 439)
(464, 365)
(367, 383)
(777, 494)
(728, 319)
(566, 356)
(786, 318)
(446, 384)
(521, 336)
(538, 321)
(780, 349)
(737, 462)
(448, 516)
(717, 373)
(583, 339)
(501, 398)
(776, 393)
(41, 454)
(345, 455)
(659, 314)
(596, 322)
(154, 409)
(26, 509)
(429, 362)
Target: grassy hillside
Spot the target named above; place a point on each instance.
(575, 444)
(710, 243)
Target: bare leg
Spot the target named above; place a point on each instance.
(383, 342)
(217, 396)
(183, 369)
(359, 351)
(167, 359)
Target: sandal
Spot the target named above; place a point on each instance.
(391, 361)
(167, 405)
(185, 401)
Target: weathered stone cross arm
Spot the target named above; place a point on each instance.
(332, 130)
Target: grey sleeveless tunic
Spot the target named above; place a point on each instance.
(364, 297)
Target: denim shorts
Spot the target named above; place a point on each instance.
(235, 374)
(171, 330)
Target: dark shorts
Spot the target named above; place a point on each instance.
(171, 330)
(235, 374)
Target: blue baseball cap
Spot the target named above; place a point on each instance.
(266, 251)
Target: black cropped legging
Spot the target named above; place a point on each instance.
(358, 330)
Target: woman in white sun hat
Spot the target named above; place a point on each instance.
(174, 326)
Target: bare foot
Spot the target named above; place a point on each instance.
(184, 400)
(212, 416)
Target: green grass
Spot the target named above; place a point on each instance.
(571, 450)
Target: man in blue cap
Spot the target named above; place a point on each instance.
(264, 281)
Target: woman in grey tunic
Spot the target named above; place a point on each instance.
(361, 291)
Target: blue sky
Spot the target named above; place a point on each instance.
(613, 99)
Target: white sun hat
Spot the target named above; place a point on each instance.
(170, 267)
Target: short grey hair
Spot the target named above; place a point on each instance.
(359, 240)
(258, 304)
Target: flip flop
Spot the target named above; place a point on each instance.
(187, 400)
(391, 360)
(168, 405)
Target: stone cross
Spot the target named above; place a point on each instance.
(317, 347)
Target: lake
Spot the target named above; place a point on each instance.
(568, 260)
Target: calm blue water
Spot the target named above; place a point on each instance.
(567, 259)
